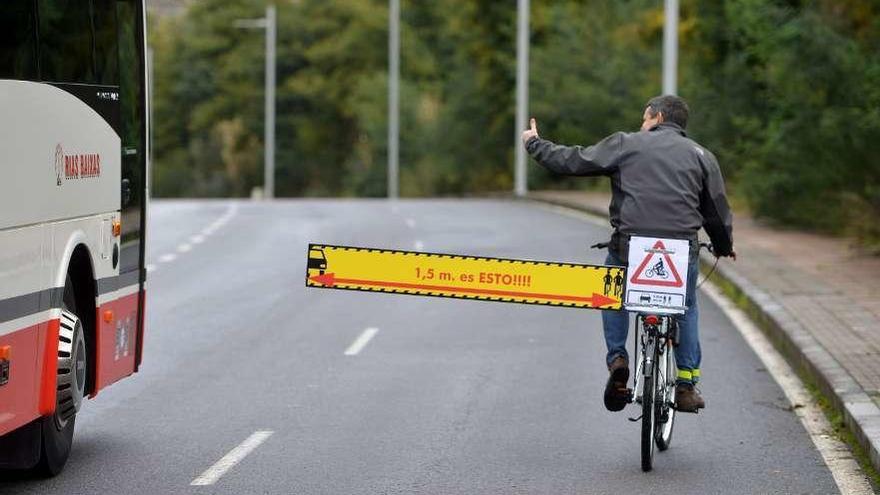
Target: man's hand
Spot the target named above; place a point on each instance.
(531, 132)
(732, 254)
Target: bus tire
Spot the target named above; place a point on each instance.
(57, 429)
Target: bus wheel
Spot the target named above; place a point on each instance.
(57, 429)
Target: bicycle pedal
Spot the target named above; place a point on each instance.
(694, 411)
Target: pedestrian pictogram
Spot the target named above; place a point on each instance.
(613, 282)
(657, 268)
(464, 277)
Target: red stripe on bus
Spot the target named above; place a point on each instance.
(116, 340)
(20, 397)
(30, 392)
(50, 368)
(139, 353)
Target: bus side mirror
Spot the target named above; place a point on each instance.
(126, 191)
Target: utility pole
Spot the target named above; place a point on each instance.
(670, 48)
(269, 140)
(393, 98)
(269, 23)
(522, 95)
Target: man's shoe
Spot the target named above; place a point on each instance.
(687, 399)
(616, 393)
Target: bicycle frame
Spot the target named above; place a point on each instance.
(646, 341)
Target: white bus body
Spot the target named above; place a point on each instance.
(73, 190)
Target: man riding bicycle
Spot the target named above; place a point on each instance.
(665, 185)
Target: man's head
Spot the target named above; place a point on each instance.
(666, 108)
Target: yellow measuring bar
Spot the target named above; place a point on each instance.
(465, 277)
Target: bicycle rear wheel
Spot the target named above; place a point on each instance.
(665, 390)
(649, 418)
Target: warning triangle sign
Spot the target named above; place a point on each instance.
(657, 269)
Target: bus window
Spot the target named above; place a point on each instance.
(18, 59)
(133, 119)
(66, 41)
(106, 51)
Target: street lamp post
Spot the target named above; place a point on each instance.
(522, 95)
(268, 23)
(393, 98)
(670, 48)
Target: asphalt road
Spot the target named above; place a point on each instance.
(448, 397)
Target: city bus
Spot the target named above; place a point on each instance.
(73, 198)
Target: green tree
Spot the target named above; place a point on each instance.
(786, 93)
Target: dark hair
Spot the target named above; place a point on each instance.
(673, 108)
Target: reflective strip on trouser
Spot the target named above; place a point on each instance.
(689, 375)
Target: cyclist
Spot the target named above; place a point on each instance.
(663, 184)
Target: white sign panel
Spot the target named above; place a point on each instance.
(656, 278)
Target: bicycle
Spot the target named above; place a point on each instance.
(654, 380)
(657, 269)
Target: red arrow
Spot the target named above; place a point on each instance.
(327, 279)
(596, 300)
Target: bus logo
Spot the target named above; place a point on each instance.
(76, 166)
(59, 163)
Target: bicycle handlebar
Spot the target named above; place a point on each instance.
(603, 245)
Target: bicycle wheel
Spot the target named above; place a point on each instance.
(665, 391)
(648, 411)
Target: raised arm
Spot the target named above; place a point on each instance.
(599, 159)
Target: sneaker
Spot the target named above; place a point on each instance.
(616, 393)
(687, 399)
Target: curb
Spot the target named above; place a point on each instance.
(860, 413)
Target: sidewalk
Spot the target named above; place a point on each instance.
(817, 298)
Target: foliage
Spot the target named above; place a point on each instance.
(786, 92)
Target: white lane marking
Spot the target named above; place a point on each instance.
(167, 258)
(420, 245)
(837, 456)
(228, 461)
(360, 342)
(410, 223)
(199, 238)
(230, 212)
(151, 268)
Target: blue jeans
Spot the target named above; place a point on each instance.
(687, 354)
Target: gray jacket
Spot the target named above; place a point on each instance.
(662, 182)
